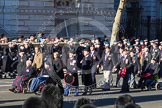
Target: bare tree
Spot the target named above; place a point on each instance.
(116, 24)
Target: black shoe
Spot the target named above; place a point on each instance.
(135, 87)
(104, 89)
(17, 91)
(115, 86)
(84, 93)
(90, 92)
(12, 89)
(65, 94)
(124, 91)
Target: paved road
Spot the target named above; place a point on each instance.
(147, 99)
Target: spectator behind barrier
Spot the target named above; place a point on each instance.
(123, 100)
(34, 102)
(82, 102)
(88, 106)
(132, 106)
(53, 96)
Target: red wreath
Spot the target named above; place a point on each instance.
(123, 72)
(69, 78)
(146, 75)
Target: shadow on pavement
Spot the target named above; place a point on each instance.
(110, 101)
(98, 102)
(7, 101)
(112, 92)
(13, 106)
(138, 99)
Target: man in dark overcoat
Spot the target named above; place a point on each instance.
(86, 71)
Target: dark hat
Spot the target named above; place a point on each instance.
(154, 59)
(107, 47)
(33, 35)
(145, 40)
(161, 42)
(14, 40)
(41, 33)
(21, 50)
(130, 46)
(21, 44)
(47, 63)
(115, 41)
(137, 40)
(106, 42)
(132, 51)
(9, 42)
(87, 49)
(141, 41)
(128, 43)
(82, 41)
(26, 42)
(92, 40)
(119, 42)
(92, 45)
(135, 45)
(125, 49)
(156, 40)
(72, 51)
(152, 41)
(125, 40)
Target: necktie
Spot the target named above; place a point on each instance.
(92, 54)
(106, 55)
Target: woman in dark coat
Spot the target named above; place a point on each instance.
(57, 65)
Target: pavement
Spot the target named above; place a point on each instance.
(102, 99)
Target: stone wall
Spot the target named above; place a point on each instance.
(8, 20)
(33, 16)
(100, 11)
(20, 17)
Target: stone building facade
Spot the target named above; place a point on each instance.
(142, 18)
(151, 8)
(56, 17)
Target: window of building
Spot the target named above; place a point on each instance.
(64, 3)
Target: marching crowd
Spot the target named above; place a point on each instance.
(44, 62)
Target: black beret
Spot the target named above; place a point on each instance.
(21, 50)
(47, 63)
(87, 49)
(72, 51)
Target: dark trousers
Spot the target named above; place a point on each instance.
(125, 85)
(87, 81)
(117, 79)
(93, 75)
(160, 72)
